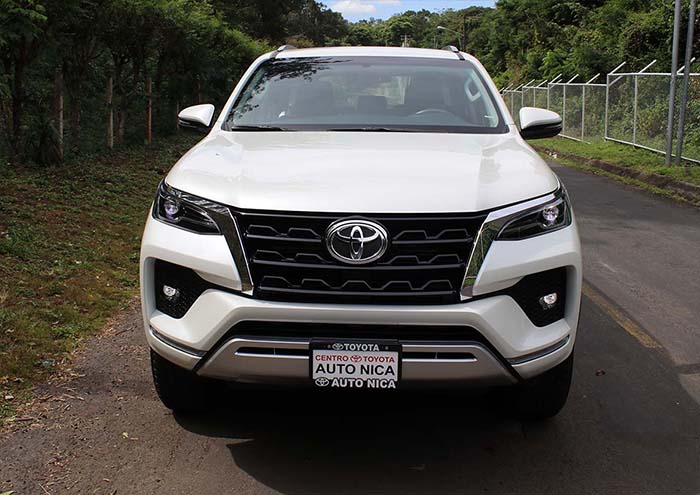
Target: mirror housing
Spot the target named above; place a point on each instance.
(538, 123)
(196, 118)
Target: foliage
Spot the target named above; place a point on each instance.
(195, 50)
(524, 39)
(69, 241)
(192, 50)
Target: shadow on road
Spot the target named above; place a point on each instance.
(312, 442)
(629, 427)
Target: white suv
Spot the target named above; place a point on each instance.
(363, 218)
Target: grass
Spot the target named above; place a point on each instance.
(69, 252)
(624, 155)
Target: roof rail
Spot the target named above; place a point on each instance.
(455, 50)
(281, 49)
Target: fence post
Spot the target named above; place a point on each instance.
(607, 95)
(686, 75)
(636, 100)
(634, 118)
(563, 126)
(583, 110)
(583, 105)
(149, 111)
(549, 87)
(512, 102)
(563, 111)
(110, 118)
(672, 89)
(607, 105)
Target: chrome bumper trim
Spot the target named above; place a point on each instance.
(273, 360)
(182, 348)
(541, 353)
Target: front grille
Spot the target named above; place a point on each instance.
(424, 264)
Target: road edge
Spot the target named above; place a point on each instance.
(678, 190)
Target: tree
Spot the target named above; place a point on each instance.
(22, 24)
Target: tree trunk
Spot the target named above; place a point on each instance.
(17, 108)
(76, 118)
(110, 114)
(121, 125)
(59, 112)
(149, 111)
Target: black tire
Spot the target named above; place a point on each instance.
(544, 396)
(179, 389)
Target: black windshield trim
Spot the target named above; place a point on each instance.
(435, 129)
(502, 128)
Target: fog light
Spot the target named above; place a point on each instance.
(170, 293)
(548, 301)
(171, 207)
(550, 215)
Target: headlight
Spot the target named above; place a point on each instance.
(183, 210)
(541, 220)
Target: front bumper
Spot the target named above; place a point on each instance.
(512, 348)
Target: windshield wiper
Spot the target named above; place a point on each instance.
(257, 128)
(371, 129)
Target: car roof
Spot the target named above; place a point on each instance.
(368, 51)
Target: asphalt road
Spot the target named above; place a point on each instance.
(632, 424)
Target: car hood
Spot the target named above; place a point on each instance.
(363, 172)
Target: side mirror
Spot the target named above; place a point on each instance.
(197, 118)
(538, 123)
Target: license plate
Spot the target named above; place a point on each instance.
(351, 364)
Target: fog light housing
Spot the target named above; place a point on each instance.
(549, 301)
(170, 293)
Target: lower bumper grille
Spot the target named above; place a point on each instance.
(424, 264)
(292, 330)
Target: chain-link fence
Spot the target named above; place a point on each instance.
(535, 96)
(582, 107)
(630, 108)
(514, 101)
(638, 112)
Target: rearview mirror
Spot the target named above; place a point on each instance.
(538, 123)
(197, 118)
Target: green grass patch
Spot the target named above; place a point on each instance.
(69, 242)
(623, 155)
(619, 178)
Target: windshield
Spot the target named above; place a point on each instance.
(367, 93)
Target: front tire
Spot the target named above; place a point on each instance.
(179, 389)
(544, 396)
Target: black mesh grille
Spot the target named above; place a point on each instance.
(270, 329)
(530, 289)
(424, 264)
(188, 284)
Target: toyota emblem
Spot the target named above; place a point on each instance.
(356, 241)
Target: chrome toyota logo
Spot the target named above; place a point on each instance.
(356, 241)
